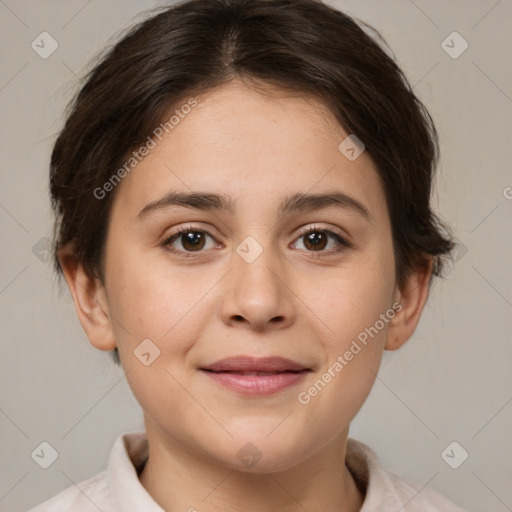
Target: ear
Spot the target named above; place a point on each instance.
(412, 296)
(90, 301)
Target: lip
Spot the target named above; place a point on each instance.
(255, 364)
(256, 376)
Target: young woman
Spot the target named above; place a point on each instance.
(242, 209)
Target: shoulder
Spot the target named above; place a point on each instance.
(113, 489)
(386, 491)
(89, 495)
(417, 498)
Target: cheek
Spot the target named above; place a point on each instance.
(357, 306)
(353, 346)
(351, 298)
(156, 303)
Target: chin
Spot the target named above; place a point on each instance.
(262, 453)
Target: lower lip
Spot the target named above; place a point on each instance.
(257, 384)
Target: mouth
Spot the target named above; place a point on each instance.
(256, 376)
(260, 374)
(248, 364)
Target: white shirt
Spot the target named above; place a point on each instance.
(118, 489)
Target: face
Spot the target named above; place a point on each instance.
(303, 283)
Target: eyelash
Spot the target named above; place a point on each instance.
(312, 229)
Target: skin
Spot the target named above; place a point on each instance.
(292, 301)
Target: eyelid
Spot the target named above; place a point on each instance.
(316, 227)
(185, 229)
(189, 227)
(340, 237)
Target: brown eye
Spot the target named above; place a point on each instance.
(317, 240)
(191, 240)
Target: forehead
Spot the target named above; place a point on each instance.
(254, 145)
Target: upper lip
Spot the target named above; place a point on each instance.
(255, 364)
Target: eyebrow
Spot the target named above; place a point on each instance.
(221, 202)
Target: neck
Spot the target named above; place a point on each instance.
(178, 479)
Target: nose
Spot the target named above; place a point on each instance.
(256, 295)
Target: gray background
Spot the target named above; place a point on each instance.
(450, 382)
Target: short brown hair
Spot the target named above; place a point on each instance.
(195, 46)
